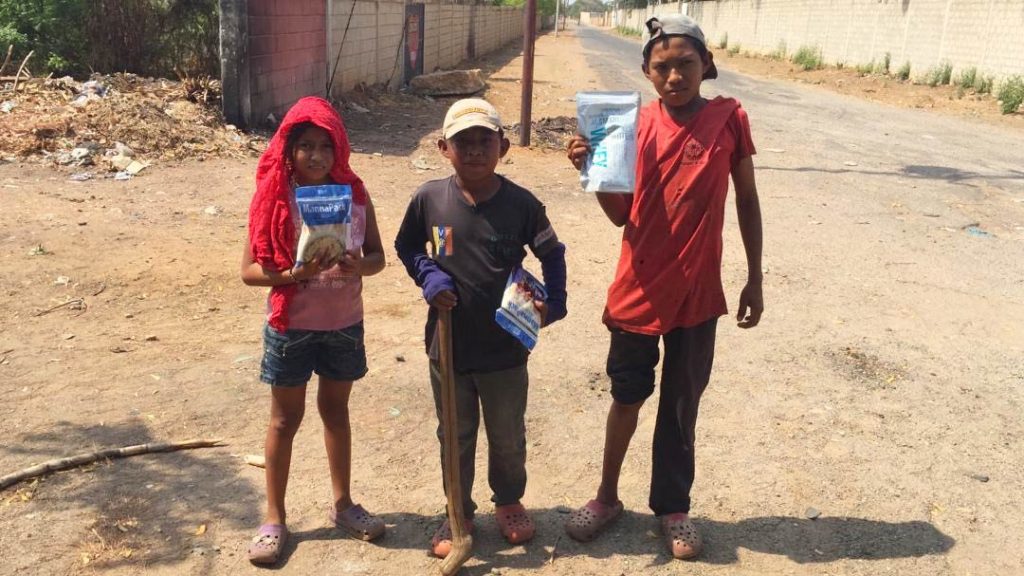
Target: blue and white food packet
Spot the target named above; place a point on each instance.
(326, 213)
(517, 314)
(608, 120)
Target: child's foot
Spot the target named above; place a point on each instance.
(515, 524)
(441, 543)
(358, 522)
(587, 522)
(268, 543)
(681, 536)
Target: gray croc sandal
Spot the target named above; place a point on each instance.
(358, 523)
(587, 522)
(268, 543)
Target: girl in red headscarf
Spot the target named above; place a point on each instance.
(314, 311)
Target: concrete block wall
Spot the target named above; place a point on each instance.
(287, 54)
(372, 51)
(987, 35)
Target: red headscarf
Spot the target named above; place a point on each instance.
(272, 235)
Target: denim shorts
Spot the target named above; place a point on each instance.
(290, 359)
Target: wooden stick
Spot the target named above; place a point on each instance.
(10, 49)
(462, 541)
(59, 306)
(110, 453)
(22, 69)
(554, 550)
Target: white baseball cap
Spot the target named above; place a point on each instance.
(468, 113)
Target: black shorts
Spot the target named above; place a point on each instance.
(633, 357)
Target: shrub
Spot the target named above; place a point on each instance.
(628, 31)
(865, 69)
(967, 78)
(883, 66)
(780, 51)
(734, 50)
(808, 57)
(984, 85)
(904, 72)
(153, 37)
(1011, 94)
(724, 41)
(941, 75)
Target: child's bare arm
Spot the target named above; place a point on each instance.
(372, 259)
(748, 212)
(255, 275)
(616, 206)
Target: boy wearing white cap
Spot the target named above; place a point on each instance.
(668, 283)
(478, 224)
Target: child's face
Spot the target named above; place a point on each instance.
(313, 157)
(676, 69)
(474, 152)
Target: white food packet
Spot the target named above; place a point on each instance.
(517, 314)
(608, 120)
(326, 213)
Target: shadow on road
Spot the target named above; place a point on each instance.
(802, 541)
(142, 509)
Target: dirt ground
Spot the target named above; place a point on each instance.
(882, 394)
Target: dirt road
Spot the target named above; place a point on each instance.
(883, 388)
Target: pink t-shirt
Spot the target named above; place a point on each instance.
(333, 300)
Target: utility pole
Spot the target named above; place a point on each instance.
(526, 105)
(557, 4)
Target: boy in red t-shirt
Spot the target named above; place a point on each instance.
(668, 282)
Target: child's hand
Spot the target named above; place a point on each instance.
(542, 307)
(577, 150)
(445, 300)
(351, 263)
(308, 269)
(750, 300)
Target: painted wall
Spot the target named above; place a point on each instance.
(984, 34)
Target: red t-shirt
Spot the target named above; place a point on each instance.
(669, 272)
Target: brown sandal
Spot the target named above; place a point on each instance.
(681, 536)
(441, 543)
(514, 523)
(358, 522)
(587, 522)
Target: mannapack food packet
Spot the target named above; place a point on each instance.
(517, 314)
(326, 213)
(608, 120)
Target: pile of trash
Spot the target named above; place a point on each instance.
(548, 133)
(120, 122)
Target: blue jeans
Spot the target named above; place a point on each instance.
(289, 359)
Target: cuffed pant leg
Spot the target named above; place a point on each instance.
(689, 353)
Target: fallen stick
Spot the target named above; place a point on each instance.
(554, 549)
(22, 69)
(59, 306)
(110, 453)
(462, 541)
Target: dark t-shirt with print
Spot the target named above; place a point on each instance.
(478, 246)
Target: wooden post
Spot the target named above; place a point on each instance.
(526, 106)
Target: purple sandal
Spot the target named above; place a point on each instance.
(268, 543)
(358, 522)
